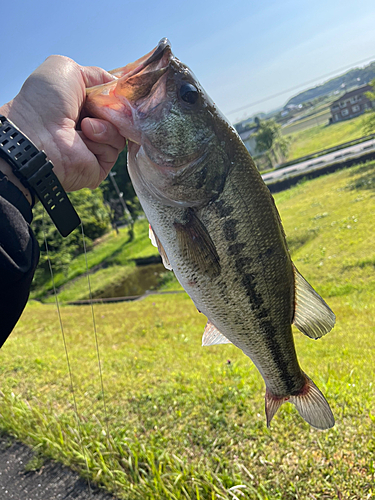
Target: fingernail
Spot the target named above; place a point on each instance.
(97, 127)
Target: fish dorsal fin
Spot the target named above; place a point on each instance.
(212, 336)
(197, 245)
(156, 242)
(312, 316)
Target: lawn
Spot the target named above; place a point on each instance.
(324, 136)
(178, 421)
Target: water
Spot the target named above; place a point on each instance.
(143, 278)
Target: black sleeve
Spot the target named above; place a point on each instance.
(19, 255)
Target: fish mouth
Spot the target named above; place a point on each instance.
(141, 63)
(137, 79)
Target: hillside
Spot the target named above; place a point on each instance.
(179, 421)
(310, 140)
(348, 79)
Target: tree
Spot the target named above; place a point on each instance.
(369, 121)
(270, 140)
(125, 187)
(95, 217)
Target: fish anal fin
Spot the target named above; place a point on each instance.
(312, 316)
(156, 243)
(272, 404)
(197, 245)
(212, 336)
(309, 402)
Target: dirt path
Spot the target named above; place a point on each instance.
(51, 481)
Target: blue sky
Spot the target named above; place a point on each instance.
(242, 51)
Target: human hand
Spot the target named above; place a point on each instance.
(48, 109)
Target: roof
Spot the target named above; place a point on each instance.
(352, 93)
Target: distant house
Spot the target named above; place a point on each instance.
(249, 139)
(351, 104)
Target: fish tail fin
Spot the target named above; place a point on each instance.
(310, 403)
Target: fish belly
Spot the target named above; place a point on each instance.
(251, 299)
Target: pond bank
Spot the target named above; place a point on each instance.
(120, 299)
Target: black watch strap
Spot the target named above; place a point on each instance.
(36, 172)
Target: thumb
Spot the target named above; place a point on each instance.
(93, 75)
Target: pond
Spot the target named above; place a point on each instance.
(143, 278)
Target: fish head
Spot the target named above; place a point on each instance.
(173, 127)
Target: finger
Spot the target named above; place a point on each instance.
(102, 132)
(94, 75)
(105, 154)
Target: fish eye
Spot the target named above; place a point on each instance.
(189, 93)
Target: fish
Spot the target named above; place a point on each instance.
(215, 223)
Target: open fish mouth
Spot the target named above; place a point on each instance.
(160, 52)
(137, 79)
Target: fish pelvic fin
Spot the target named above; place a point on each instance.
(312, 316)
(212, 336)
(310, 403)
(156, 243)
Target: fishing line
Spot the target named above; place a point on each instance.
(95, 332)
(67, 361)
(97, 347)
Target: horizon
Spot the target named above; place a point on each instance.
(310, 87)
(313, 85)
(252, 55)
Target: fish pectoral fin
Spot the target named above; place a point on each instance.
(197, 245)
(310, 404)
(212, 336)
(312, 316)
(156, 243)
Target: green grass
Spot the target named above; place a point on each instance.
(181, 422)
(99, 282)
(321, 117)
(324, 136)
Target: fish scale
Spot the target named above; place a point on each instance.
(247, 278)
(216, 224)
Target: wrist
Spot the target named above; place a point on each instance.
(35, 171)
(25, 119)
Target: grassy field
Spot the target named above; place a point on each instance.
(178, 421)
(324, 136)
(319, 118)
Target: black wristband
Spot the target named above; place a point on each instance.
(34, 171)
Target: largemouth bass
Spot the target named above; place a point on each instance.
(215, 223)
